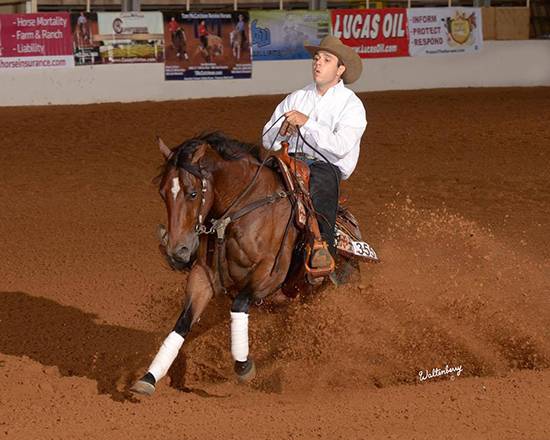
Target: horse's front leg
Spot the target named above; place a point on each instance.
(199, 291)
(244, 366)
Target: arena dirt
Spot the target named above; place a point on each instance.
(453, 191)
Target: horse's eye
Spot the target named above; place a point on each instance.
(193, 195)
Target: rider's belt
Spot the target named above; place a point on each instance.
(302, 156)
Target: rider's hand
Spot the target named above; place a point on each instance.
(293, 119)
(287, 129)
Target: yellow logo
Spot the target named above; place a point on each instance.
(461, 29)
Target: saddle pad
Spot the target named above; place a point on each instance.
(348, 237)
(352, 248)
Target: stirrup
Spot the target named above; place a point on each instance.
(319, 261)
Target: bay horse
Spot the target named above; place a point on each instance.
(179, 43)
(213, 179)
(213, 48)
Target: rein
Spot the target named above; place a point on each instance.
(220, 225)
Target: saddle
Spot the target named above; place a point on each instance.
(348, 240)
(295, 175)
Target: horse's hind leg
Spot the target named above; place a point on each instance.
(244, 366)
(199, 291)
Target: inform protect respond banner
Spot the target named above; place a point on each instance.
(35, 40)
(373, 33)
(435, 31)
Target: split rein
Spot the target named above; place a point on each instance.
(219, 225)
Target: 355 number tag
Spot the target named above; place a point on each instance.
(364, 250)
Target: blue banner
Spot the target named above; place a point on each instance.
(281, 35)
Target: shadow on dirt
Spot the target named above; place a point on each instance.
(70, 339)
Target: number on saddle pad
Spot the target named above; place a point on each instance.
(347, 246)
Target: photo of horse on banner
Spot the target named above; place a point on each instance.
(213, 49)
(210, 45)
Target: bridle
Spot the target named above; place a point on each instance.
(199, 224)
(219, 225)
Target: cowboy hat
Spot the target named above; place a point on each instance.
(345, 54)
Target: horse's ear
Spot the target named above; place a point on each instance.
(166, 152)
(199, 153)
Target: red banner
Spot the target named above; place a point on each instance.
(373, 33)
(35, 40)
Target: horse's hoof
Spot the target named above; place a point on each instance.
(145, 386)
(246, 371)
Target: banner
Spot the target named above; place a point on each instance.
(86, 45)
(444, 30)
(35, 40)
(207, 46)
(130, 37)
(281, 35)
(373, 33)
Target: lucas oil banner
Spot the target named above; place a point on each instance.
(207, 46)
(444, 30)
(281, 35)
(373, 33)
(35, 41)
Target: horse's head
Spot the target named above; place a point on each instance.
(187, 192)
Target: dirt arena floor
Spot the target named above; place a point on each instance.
(452, 189)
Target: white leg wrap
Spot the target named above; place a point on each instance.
(239, 336)
(166, 355)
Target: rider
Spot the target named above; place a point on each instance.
(203, 34)
(82, 23)
(174, 27)
(240, 28)
(332, 119)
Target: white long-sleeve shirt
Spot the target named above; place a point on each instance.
(337, 120)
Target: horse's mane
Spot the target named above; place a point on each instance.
(227, 148)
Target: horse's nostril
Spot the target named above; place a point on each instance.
(181, 252)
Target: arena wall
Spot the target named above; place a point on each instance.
(499, 64)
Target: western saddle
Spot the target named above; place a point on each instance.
(295, 174)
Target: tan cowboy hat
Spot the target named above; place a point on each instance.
(346, 54)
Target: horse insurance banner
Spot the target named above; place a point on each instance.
(130, 37)
(86, 44)
(444, 30)
(207, 46)
(35, 40)
(281, 35)
(373, 33)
